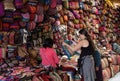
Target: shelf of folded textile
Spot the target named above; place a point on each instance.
(110, 64)
(115, 66)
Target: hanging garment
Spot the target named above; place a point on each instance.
(24, 33)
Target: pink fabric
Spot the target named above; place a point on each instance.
(53, 3)
(49, 57)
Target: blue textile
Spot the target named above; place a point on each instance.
(97, 58)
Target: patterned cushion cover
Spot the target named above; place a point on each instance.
(114, 61)
(106, 74)
(118, 59)
(116, 69)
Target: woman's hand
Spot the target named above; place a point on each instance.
(97, 68)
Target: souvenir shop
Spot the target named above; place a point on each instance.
(25, 24)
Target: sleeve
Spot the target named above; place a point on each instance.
(97, 58)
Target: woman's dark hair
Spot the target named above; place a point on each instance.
(88, 37)
(48, 42)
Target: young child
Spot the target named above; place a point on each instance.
(48, 54)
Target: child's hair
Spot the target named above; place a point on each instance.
(48, 42)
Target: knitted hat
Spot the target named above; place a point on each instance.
(102, 28)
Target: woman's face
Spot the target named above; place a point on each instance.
(82, 36)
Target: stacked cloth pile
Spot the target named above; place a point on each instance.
(110, 66)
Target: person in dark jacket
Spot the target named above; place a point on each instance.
(98, 67)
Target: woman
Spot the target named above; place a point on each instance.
(87, 50)
(48, 54)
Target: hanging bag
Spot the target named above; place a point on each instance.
(53, 3)
(22, 52)
(2, 12)
(18, 4)
(8, 17)
(8, 5)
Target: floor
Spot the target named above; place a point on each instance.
(116, 77)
